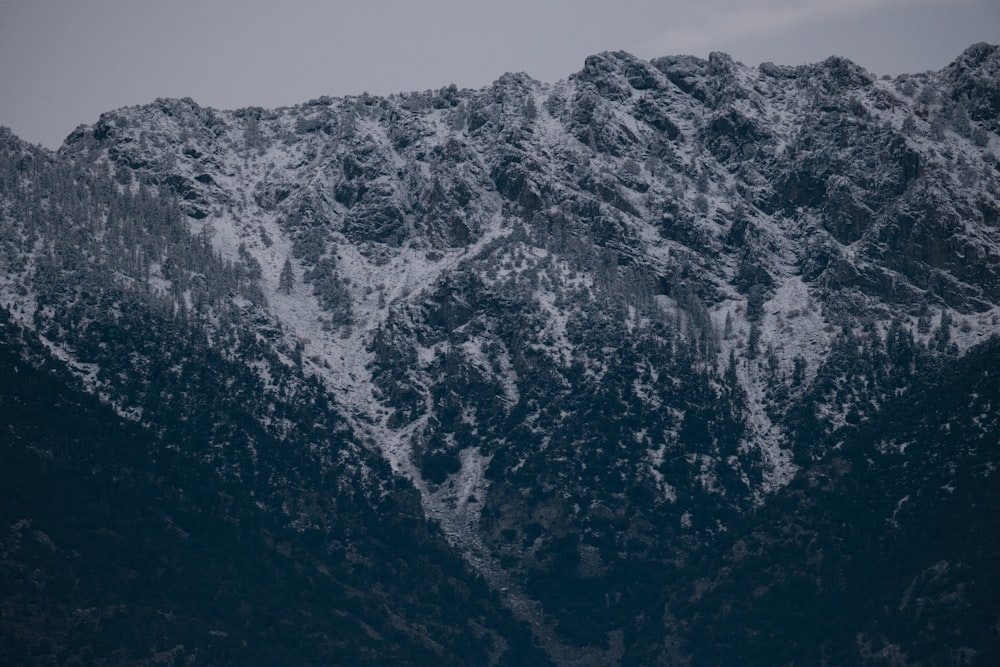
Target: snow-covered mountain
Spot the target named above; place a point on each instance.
(597, 331)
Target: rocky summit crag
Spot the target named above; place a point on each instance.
(671, 362)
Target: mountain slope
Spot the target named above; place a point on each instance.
(881, 553)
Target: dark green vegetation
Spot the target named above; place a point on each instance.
(883, 551)
(123, 545)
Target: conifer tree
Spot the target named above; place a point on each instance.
(286, 281)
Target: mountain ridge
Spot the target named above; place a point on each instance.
(593, 323)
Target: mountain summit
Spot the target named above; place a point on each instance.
(668, 362)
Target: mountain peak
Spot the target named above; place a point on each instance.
(978, 54)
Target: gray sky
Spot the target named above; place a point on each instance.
(63, 62)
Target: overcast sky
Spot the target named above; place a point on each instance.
(63, 62)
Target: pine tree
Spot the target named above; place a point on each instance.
(799, 371)
(286, 281)
(753, 341)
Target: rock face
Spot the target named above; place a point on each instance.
(603, 334)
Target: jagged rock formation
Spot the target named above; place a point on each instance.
(596, 328)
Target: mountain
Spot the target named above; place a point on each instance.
(665, 363)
